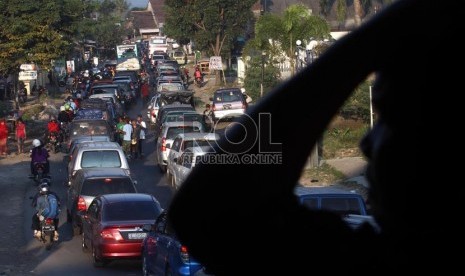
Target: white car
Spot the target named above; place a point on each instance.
(183, 165)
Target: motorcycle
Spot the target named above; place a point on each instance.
(39, 172)
(54, 143)
(47, 231)
(199, 82)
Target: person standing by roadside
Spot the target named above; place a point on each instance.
(20, 135)
(135, 139)
(143, 130)
(127, 133)
(3, 138)
(120, 130)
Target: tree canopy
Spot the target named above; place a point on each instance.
(213, 25)
(40, 31)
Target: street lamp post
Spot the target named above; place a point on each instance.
(263, 73)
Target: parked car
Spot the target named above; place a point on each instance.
(89, 183)
(164, 254)
(96, 155)
(228, 102)
(167, 134)
(183, 141)
(333, 199)
(182, 166)
(113, 225)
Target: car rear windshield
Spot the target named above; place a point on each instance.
(111, 185)
(131, 210)
(227, 96)
(101, 158)
(198, 143)
(87, 128)
(173, 131)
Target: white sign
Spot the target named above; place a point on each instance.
(215, 63)
(28, 67)
(27, 75)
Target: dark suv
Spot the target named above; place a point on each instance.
(228, 102)
(89, 183)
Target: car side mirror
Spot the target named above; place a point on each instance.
(135, 182)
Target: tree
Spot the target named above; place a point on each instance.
(213, 25)
(361, 8)
(36, 31)
(276, 35)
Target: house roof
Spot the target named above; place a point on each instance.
(143, 20)
(157, 9)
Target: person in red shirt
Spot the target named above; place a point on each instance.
(20, 134)
(144, 90)
(3, 138)
(53, 126)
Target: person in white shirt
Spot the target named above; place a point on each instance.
(127, 132)
(143, 131)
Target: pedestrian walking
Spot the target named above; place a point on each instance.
(135, 139)
(20, 133)
(3, 138)
(143, 130)
(145, 92)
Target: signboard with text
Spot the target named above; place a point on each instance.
(215, 63)
(27, 75)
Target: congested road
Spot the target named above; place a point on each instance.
(67, 258)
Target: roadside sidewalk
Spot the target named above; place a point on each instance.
(352, 167)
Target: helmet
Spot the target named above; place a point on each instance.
(36, 143)
(62, 108)
(67, 106)
(44, 188)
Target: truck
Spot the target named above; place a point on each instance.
(128, 64)
(122, 50)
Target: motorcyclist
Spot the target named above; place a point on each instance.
(39, 154)
(63, 116)
(40, 203)
(53, 126)
(198, 75)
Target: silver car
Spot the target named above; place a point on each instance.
(183, 165)
(166, 136)
(89, 183)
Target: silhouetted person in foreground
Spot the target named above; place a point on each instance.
(243, 219)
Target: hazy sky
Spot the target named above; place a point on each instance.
(138, 3)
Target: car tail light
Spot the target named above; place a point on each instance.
(184, 254)
(213, 107)
(163, 144)
(111, 234)
(81, 204)
(49, 221)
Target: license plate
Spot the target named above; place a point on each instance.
(48, 228)
(227, 106)
(137, 236)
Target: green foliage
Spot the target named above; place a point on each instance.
(213, 26)
(39, 31)
(357, 106)
(343, 138)
(253, 76)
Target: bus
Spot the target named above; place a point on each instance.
(158, 43)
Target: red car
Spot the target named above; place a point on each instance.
(112, 225)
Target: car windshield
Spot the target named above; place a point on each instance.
(100, 186)
(131, 210)
(101, 159)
